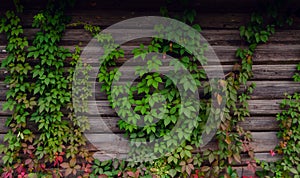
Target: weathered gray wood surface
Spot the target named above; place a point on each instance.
(274, 64)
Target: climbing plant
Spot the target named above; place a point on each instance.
(180, 162)
(47, 124)
(232, 139)
(39, 92)
(288, 148)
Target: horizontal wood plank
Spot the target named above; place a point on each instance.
(265, 55)
(256, 107)
(117, 144)
(106, 17)
(214, 37)
(106, 124)
(274, 65)
(260, 72)
(156, 4)
(264, 90)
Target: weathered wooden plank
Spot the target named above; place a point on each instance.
(274, 89)
(265, 156)
(263, 90)
(74, 36)
(260, 72)
(263, 123)
(105, 18)
(264, 107)
(273, 72)
(116, 143)
(207, 20)
(106, 124)
(146, 5)
(214, 37)
(260, 156)
(256, 107)
(266, 54)
(3, 128)
(264, 141)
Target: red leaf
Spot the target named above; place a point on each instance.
(28, 161)
(119, 174)
(195, 176)
(137, 173)
(272, 153)
(43, 166)
(131, 174)
(60, 159)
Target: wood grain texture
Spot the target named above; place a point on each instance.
(109, 124)
(114, 144)
(264, 90)
(214, 37)
(274, 65)
(102, 107)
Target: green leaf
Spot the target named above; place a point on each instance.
(189, 147)
(242, 31)
(211, 158)
(294, 171)
(188, 153)
(47, 81)
(197, 27)
(155, 84)
(172, 172)
(42, 108)
(26, 131)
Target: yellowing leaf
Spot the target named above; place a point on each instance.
(237, 158)
(205, 169)
(227, 140)
(72, 162)
(219, 98)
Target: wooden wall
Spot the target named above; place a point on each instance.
(274, 62)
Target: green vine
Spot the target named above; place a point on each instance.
(232, 139)
(39, 92)
(288, 134)
(181, 161)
